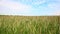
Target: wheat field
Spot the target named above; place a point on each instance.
(29, 24)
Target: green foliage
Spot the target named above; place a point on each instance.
(29, 25)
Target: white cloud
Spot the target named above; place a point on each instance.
(14, 7)
(39, 2)
(57, 0)
(56, 13)
(54, 6)
(17, 8)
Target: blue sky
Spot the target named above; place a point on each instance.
(30, 7)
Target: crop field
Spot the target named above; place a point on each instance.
(29, 24)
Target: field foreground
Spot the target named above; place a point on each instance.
(29, 24)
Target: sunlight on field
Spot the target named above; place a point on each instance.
(29, 24)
